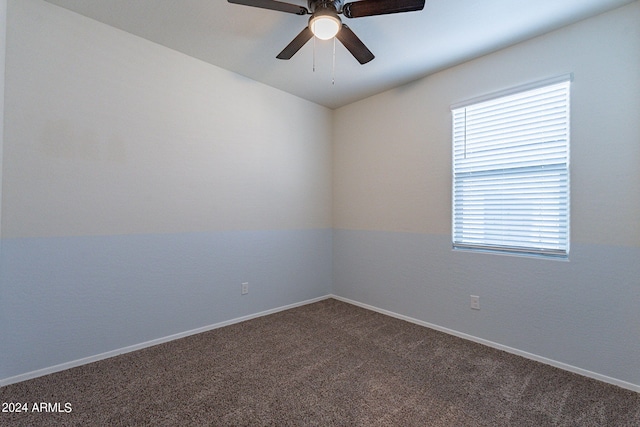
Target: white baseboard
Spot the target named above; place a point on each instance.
(541, 359)
(112, 353)
(109, 354)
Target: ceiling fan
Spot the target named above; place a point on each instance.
(326, 24)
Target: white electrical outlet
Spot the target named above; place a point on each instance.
(245, 288)
(475, 302)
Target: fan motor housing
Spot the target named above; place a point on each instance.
(335, 5)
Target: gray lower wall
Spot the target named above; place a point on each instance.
(69, 298)
(582, 313)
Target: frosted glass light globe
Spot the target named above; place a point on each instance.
(325, 27)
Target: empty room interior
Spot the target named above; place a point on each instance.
(149, 195)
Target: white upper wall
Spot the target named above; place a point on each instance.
(108, 133)
(392, 152)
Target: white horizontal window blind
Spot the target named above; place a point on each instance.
(511, 173)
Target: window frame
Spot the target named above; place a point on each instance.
(521, 248)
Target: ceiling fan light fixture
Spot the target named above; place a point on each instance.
(325, 26)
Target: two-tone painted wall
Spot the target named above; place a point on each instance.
(392, 206)
(141, 187)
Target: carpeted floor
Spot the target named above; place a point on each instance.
(324, 364)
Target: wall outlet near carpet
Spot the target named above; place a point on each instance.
(475, 302)
(245, 288)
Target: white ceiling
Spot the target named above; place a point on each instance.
(407, 46)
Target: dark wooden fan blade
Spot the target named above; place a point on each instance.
(354, 45)
(273, 5)
(362, 8)
(295, 45)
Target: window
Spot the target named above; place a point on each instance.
(511, 171)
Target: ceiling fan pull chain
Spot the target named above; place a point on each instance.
(333, 67)
(314, 54)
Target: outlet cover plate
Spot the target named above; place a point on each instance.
(475, 302)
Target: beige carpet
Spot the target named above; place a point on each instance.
(324, 364)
